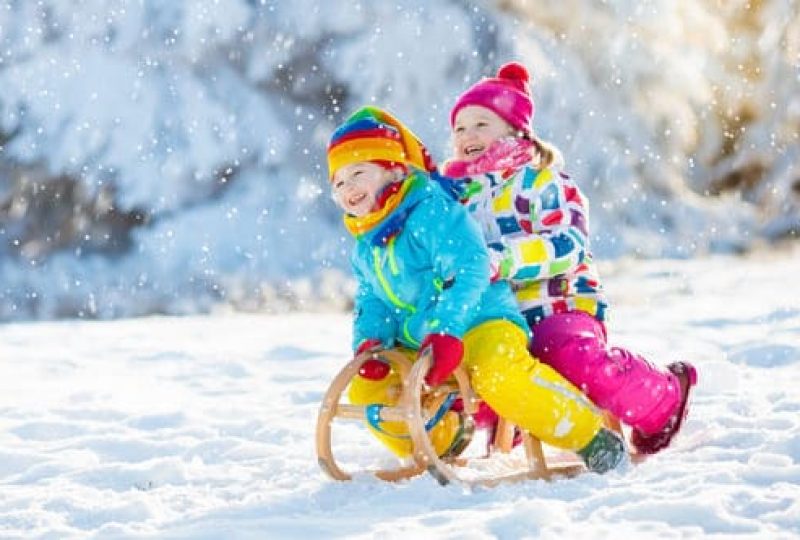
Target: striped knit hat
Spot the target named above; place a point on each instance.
(372, 134)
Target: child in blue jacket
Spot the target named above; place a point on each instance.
(423, 281)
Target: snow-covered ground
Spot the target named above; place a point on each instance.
(203, 427)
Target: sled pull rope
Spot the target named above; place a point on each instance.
(373, 415)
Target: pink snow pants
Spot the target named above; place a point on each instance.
(616, 380)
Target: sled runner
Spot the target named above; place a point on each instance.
(420, 407)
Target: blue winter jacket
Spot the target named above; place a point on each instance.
(423, 269)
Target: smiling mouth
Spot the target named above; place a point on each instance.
(356, 199)
(474, 150)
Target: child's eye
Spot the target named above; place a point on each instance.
(338, 185)
(357, 173)
(482, 124)
(460, 129)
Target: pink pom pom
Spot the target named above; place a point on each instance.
(513, 71)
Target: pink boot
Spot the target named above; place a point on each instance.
(650, 444)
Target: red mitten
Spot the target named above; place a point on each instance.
(367, 344)
(447, 352)
(373, 369)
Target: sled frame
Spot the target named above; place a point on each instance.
(410, 410)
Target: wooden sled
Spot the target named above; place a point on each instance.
(536, 465)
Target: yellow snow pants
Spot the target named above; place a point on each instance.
(516, 385)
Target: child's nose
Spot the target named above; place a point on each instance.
(349, 188)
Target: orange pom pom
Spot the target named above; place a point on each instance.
(513, 71)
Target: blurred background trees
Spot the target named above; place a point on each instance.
(169, 157)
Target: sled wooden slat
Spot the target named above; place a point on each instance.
(534, 453)
(504, 436)
(358, 412)
(538, 463)
(402, 473)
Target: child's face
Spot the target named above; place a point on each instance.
(474, 129)
(356, 186)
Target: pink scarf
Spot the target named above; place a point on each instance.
(506, 153)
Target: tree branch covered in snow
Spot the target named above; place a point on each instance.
(170, 156)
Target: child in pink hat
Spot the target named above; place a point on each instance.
(535, 221)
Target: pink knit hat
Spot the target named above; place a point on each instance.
(508, 95)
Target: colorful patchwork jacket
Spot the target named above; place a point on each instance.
(422, 266)
(536, 224)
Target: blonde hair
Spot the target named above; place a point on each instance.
(545, 154)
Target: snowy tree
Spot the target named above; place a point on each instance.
(170, 156)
